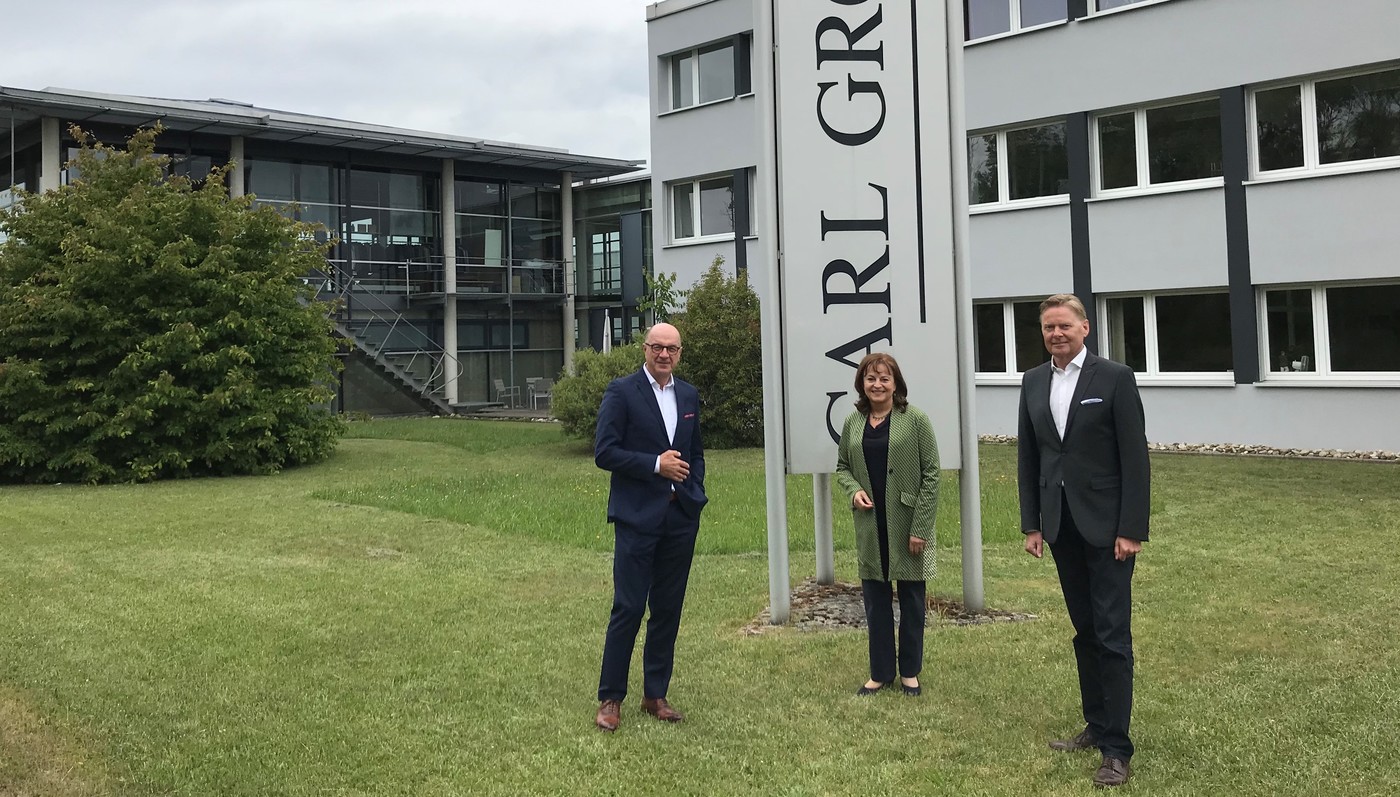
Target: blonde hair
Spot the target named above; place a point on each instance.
(1065, 300)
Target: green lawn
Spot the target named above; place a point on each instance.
(423, 615)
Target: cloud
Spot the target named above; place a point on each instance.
(559, 73)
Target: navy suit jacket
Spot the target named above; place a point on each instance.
(1101, 462)
(631, 435)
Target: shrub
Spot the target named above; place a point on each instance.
(151, 328)
(723, 357)
(576, 398)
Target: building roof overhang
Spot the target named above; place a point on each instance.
(231, 118)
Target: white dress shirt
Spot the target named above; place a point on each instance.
(666, 400)
(1062, 384)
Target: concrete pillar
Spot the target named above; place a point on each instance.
(236, 186)
(50, 155)
(450, 366)
(566, 212)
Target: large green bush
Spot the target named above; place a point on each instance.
(151, 328)
(576, 398)
(723, 357)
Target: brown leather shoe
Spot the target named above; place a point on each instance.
(1112, 772)
(1084, 740)
(659, 708)
(609, 715)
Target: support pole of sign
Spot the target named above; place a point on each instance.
(774, 415)
(821, 516)
(970, 491)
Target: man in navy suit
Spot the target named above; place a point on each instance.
(1083, 477)
(649, 438)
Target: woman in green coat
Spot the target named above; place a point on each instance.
(887, 464)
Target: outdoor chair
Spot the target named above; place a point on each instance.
(541, 391)
(503, 392)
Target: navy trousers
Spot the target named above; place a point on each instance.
(1098, 594)
(651, 568)
(879, 619)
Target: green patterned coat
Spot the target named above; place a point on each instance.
(911, 494)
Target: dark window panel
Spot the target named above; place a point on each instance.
(1037, 163)
(1127, 332)
(982, 169)
(1193, 333)
(1291, 341)
(1030, 344)
(1279, 117)
(1358, 117)
(986, 18)
(989, 338)
(1041, 12)
(1363, 327)
(1183, 142)
(1117, 151)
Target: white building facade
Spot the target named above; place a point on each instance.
(1215, 178)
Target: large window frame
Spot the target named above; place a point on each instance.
(1318, 364)
(1311, 137)
(1030, 340)
(1143, 151)
(1016, 22)
(696, 189)
(1151, 339)
(1004, 166)
(685, 83)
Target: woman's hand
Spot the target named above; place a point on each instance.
(862, 501)
(916, 545)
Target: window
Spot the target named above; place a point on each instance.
(1359, 333)
(1006, 327)
(702, 75)
(982, 18)
(1179, 333)
(703, 208)
(1332, 123)
(1036, 165)
(1155, 146)
(1101, 6)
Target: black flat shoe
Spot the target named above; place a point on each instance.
(911, 691)
(866, 691)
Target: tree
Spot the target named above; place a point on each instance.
(575, 398)
(660, 299)
(723, 357)
(152, 328)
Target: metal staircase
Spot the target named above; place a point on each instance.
(417, 365)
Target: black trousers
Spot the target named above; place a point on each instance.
(879, 617)
(1099, 597)
(651, 568)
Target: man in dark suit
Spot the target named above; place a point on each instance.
(649, 438)
(1083, 477)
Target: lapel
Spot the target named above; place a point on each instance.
(1039, 398)
(1081, 389)
(648, 399)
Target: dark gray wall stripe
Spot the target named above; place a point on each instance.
(1078, 9)
(743, 64)
(1244, 321)
(741, 220)
(633, 262)
(1077, 145)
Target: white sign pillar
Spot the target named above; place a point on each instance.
(869, 216)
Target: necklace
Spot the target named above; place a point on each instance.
(879, 417)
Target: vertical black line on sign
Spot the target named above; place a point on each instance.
(1077, 146)
(918, 164)
(1234, 151)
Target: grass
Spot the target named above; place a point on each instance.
(423, 615)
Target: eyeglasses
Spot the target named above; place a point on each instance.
(657, 348)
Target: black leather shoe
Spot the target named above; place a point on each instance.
(1084, 740)
(911, 691)
(1112, 772)
(866, 691)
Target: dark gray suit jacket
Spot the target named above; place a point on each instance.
(1101, 463)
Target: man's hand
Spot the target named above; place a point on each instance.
(673, 467)
(1123, 547)
(1035, 544)
(862, 501)
(916, 545)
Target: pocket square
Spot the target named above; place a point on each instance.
(688, 415)
(1091, 401)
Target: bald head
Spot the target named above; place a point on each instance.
(663, 351)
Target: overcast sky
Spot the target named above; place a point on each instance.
(555, 73)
